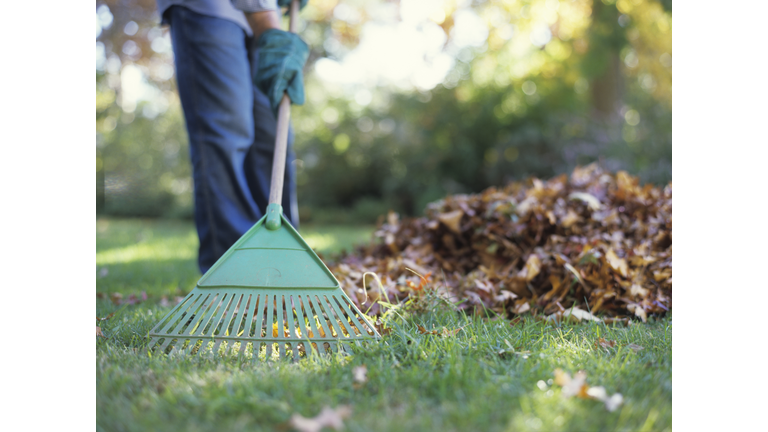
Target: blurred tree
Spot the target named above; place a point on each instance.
(533, 87)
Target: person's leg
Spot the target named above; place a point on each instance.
(258, 163)
(216, 91)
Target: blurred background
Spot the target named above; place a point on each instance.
(408, 101)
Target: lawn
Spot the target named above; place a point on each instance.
(492, 375)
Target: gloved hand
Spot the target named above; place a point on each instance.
(282, 56)
(287, 3)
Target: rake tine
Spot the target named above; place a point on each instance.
(236, 327)
(340, 316)
(270, 308)
(310, 316)
(198, 316)
(206, 317)
(171, 317)
(319, 313)
(291, 326)
(247, 328)
(229, 315)
(279, 312)
(334, 323)
(213, 325)
(355, 316)
(181, 317)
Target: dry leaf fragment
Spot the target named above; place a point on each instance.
(570, 219)
(577, 315)
(639, 311)
(444, 332)
(531, 269)
(522, 308)
(605, 344)
(637, 290)
(635, 347)
(452, 220)
(116, 298)
(592, 202)
(106, 317)
(328, 417)
(98, 332)
(614, 402)
(577, 386)
(359, 376)
(616, 263)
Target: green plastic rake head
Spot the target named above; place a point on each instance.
(269, 296)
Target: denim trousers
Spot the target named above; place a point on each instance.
(231, 130)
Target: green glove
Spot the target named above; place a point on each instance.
(282, 56)
(287, 3)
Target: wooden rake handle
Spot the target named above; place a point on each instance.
(275, 209)
(281, 140)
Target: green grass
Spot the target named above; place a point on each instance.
(415, 382)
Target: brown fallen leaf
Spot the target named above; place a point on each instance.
(532, 268)
(617, 264)
(592, 202)
(635, 347)
(444, 332)
(577, 315)
(452, 220)
(639, 311)
(116, 298)
(522, 308)
(605, 344)
(328, 417)
(610, 320)
(106, 317)
(98, 332)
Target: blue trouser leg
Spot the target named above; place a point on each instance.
(231, 130)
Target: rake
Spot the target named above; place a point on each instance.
(269, 296)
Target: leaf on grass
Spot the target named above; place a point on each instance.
(577, 386)
(328, 417)
(616, 263)
(452, 220)
(103, 272)
(605, 344)
(359, 376)
(610, 320)
(635, 347)
(116, 298)
(106, 317)
(577, 315)
(639, 311)
(98, 332)
(522, 308)
(444, 332)
(381, 328)
(614, 402)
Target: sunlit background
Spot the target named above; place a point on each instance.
(408, 101)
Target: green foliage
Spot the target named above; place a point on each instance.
(598, 89)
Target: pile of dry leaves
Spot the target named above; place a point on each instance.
(592, 239)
